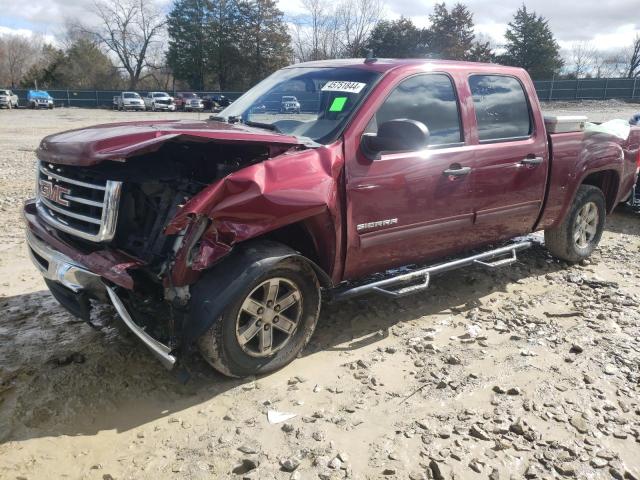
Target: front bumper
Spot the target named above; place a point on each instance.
(72, 284)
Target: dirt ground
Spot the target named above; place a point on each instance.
(531, 371)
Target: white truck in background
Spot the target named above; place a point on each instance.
(129, 101)
(8, 99)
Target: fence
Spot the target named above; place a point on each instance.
(548, 90)
(589, 89)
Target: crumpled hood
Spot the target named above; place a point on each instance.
(119, 141)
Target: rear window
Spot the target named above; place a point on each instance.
(501, 106)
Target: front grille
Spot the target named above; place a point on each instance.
(71, 201)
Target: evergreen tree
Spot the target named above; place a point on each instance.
(396, 39)
(531, 45)
(189, 51)
(265, 39)
(81, 65)
(450, 35)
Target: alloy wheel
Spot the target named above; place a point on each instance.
(586, 225)
(268, 317)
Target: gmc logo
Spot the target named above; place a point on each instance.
(53, 192)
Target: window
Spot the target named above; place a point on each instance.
(430, 99)
(502, 110)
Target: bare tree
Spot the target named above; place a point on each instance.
(358, 18)
(582, 59)
(128, 29)
(632, 57)
(316, 34)
(334, 30)
(18, 53)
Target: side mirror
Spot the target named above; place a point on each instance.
(397, 135)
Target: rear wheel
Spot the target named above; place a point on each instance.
(268, 323)
(578, 235)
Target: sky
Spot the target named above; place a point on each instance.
(609, 24)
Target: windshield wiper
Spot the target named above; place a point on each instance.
(266, 126)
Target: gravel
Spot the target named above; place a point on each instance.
(469, 380)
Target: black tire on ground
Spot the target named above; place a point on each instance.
(220, 345)
(578, 235)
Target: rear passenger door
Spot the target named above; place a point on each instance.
(511, 158)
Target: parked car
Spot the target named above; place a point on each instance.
(226, 235)
(39, 99)
(289, 104)
(130, 101)
(8, 99)
(634, 198)
(188, 102)
(159, 101)
(215, 102)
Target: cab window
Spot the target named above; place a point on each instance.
(502, 109)
(427, 98)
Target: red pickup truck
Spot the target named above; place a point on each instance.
(226, 234)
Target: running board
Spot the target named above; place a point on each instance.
(394, 286)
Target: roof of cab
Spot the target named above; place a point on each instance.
(386, 64)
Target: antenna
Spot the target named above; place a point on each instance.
(370, 58)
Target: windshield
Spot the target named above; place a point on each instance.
(189, 95)
(130, 95)
(4, 92)
(327, 98)
(160, 95)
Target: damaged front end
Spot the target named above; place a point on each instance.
(183, 202)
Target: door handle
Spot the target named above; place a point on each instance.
(457, 171)
(533, 161)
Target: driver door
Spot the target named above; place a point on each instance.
(411, 206)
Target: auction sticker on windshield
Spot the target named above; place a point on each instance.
(343, 86)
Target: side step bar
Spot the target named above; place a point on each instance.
(423, 275)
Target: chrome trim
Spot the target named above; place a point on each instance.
(109, 217)
(51, 174)
(83, 201)
(160, 350)
(62, 269)
(77, 216)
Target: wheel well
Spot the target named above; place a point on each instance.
(607, 181)
(297, 237)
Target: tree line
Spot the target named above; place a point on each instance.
(232, 44)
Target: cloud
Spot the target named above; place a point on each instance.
(611, 24)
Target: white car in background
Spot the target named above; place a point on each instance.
(130, 101)
(159, 101)
(8, 99)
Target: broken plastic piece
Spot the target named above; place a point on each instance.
(278, 417)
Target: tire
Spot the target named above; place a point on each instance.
(578, 236)
(221, 346)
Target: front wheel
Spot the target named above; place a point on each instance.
(580, 232)
(268, 323)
